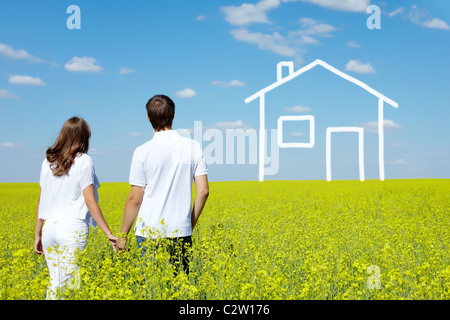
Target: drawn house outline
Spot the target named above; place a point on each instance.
(292, 75)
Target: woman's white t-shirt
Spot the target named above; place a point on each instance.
(62, 197)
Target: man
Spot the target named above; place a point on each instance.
(161, 175)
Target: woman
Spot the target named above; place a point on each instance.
(67, 203)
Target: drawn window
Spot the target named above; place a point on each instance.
(309, 144)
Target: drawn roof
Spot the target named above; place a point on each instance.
(317, 62)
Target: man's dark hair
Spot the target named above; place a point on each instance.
(160, 111)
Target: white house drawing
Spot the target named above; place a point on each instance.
(291, 75)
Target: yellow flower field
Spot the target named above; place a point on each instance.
(269, 240)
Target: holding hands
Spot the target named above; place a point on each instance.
(113, 241)
(121, 243)
(94, 209)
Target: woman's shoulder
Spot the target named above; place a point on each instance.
(45, 165)
(83, 158)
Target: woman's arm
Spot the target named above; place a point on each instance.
(96, 212)
(38, 231)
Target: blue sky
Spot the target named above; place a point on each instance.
(211, 55)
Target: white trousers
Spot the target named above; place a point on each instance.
(61, 241)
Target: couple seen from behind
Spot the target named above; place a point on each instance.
(161, 175)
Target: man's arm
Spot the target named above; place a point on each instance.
(132, 206)
(202, 187)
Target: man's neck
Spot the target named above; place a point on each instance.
(165, 129)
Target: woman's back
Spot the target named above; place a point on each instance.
(62, 196)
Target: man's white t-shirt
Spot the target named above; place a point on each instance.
(166, 166)
(62, 197)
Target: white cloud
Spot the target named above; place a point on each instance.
(274, 42)
(389, 126)
(297, 109)
(353, 44)
(249, 13)
(238, 124)
(186, 93)
(26, 80)
(11, 145)
(359, 67)
(126, 71)
(297, 134)
(17, 54)
(201, 17)
(396, 12)
(308, 33)
(313, 27)
(307, 22)
(307, 40)
(310, 29)
(82, 64)
(421, 17)
(341, 5)
(5, 94)
(436, 24)
(134, 134)
(7, 145)
(232, 83)
(290, 45)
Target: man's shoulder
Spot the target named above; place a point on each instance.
(145, 146)
(193, 146)
(152, 144)
(190, 141)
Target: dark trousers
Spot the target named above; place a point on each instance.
(177, 247)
